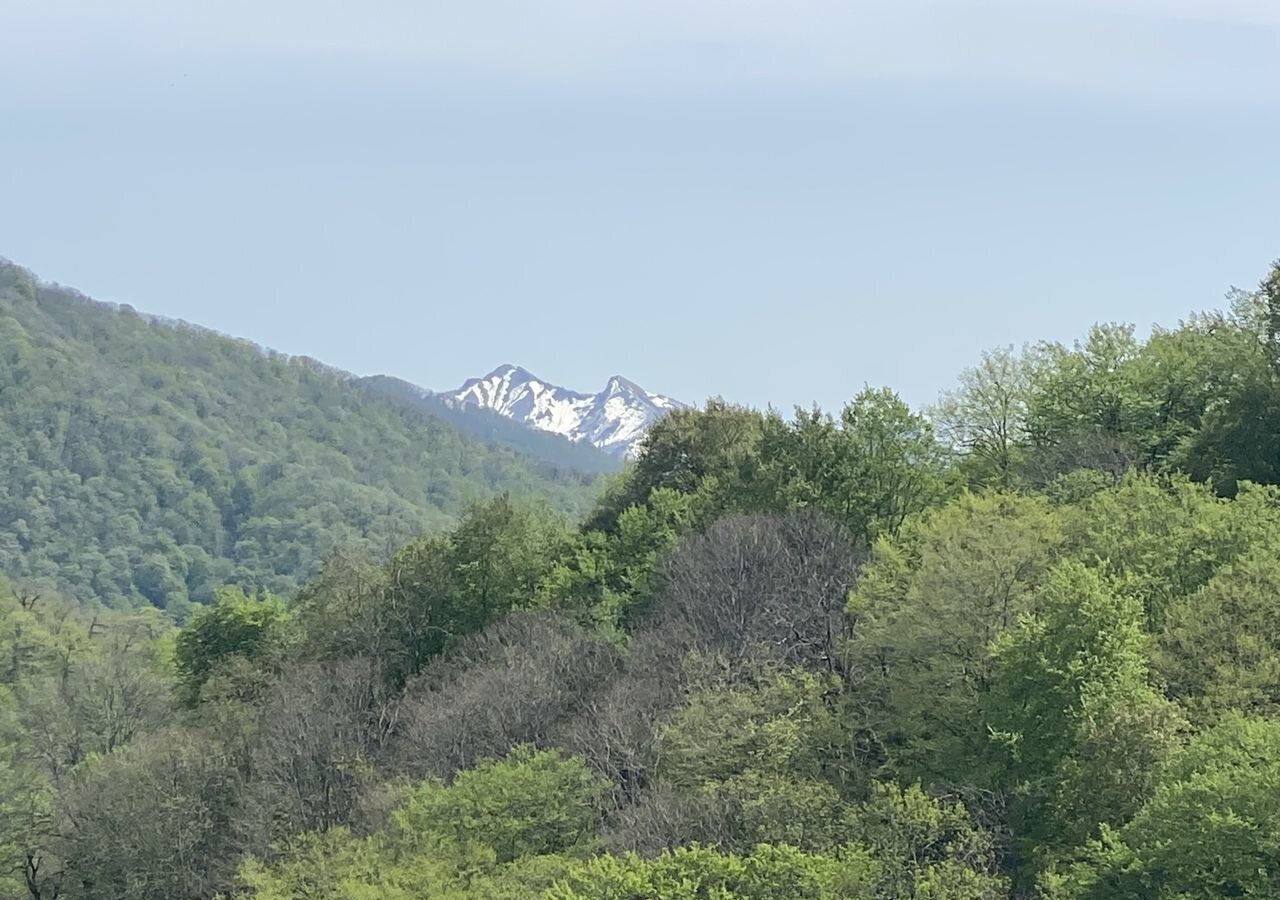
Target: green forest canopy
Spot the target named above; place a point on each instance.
(1021, 647)
(144, 461)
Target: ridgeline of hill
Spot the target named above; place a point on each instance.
(147, 461)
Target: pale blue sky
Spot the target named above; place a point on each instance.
(772, 201)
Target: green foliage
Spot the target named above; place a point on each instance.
(1081, 648)
(985, 418)
(1211, 827)
(147, 462)
(1220, 649)
(771, 760)
(1061, 679)
(72, 689)
(788, 724)
(439, 589)
(1236, 438)
(928, 609)
(1085, 402)
(713, 450)
(1160, 540)
(927, 848)
(1078, 660)
(434, 591)
(531, 803)
(335, 865)
(904, 845)
(1202, 399)
(340, 612)
(254, 632)
(696, 873)
(887, 465)
(152, 821)
(493, 833)
(26, 809)
(869, 469)
(605, 576)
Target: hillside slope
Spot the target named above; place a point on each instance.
(495, 428)
(146, 461)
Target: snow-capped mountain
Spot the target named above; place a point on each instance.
(614, 420)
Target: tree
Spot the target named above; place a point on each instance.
(336, 865)
(1208, 830)
(126, 444)
(769, 761)
(897, 464)
(872, 470)
(1077, 660)
(520, 681)
(1220, 650)
(1236, 383)
(1084, 410)
(684, 451)
(752, 585)
(338, 611)
(927, 847)
(1162, 539)
(1238, 441)
(986, 418)
(613, 731)
(71, 688)
(1270, 291)
(29, 862)
(768, 873)
(258, 631)
(322, 730)
(606, 578)
(152, 821)
(926, 612)
(782, 724)
(531, 803)
(442, 588)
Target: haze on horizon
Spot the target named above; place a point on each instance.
(772, 202)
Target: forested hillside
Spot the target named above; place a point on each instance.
(144, 461)
(1021, 646)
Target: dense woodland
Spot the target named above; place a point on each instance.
(145, 462)
(1022, 644)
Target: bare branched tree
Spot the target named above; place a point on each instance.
(516, 682)
(752, 583)
(323, 729)
(753, 592)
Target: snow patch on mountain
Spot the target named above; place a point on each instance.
(615, 419)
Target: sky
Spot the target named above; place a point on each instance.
(773, 202)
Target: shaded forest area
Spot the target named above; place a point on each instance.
(1021, 645)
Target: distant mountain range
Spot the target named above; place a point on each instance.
(495, 429)
(614, 420)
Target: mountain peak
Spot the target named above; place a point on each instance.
(615, 419)
(514, 372)
(621, 384)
